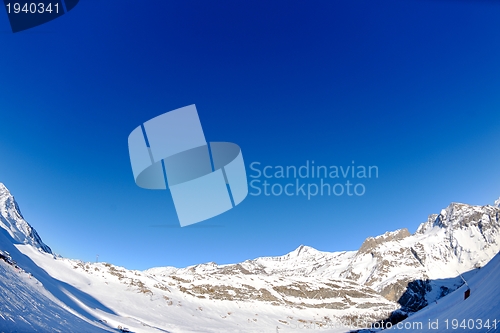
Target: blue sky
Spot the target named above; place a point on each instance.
(409, 86)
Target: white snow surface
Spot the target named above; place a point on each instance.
(304, 289)
(26, 305)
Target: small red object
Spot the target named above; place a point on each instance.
(466, 294)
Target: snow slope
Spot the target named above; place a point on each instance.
(478, 313)
(26, 306)
(32, 300)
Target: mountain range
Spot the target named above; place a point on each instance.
(392, 277)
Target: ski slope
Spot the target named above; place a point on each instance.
(480, 312)
(33, 301)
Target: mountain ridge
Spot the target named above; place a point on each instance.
(388, 263)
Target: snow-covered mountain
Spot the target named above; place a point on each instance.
(13, 222)
(391, 276)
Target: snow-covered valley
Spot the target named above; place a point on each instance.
(390, 277)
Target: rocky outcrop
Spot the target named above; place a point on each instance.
(372, 242)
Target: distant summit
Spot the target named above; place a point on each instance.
(13, 222)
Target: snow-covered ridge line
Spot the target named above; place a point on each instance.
(460, 238)
(455, 216)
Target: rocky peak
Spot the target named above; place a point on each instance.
(458, 215)
(2, 189)
(303, 250)
(371, 242)
(14, 223)
(422, 228)
(497, 203)
(6, 198)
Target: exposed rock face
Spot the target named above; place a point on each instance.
(372, 242)
(410, 294)
(458, 215)
(295, 292)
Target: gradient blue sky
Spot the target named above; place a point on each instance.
(410, 86)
